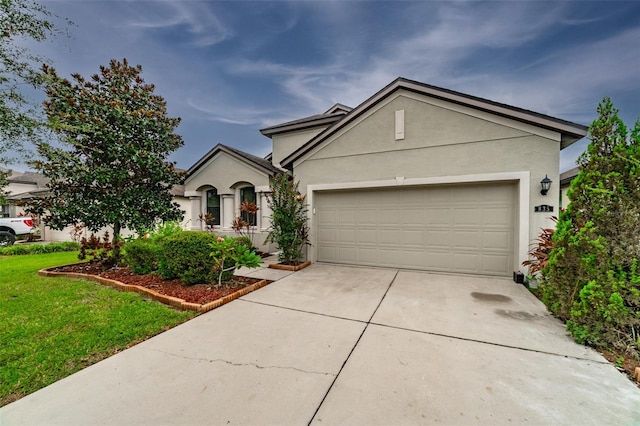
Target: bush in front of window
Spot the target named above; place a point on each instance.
(185, 255)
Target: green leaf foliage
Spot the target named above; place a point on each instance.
(592, 280)
(112, 169)
(141, 255)
(4, 181)
(19, 249)
(289, 230)
(22, 22)
(185, 255)
(228, 254)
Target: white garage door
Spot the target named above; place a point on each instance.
(449, 228)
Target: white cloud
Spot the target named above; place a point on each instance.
(202, 23)
(225, 113)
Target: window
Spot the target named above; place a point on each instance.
(4, 211)
(213, 206)
(248, 194)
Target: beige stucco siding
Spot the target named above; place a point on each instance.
(443, 142)
(564, 198)
(426, 126)
(284, 144)
(223, 172)
(459, 159)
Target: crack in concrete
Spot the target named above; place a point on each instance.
(248, 364)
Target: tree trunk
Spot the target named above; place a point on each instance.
(115, 242)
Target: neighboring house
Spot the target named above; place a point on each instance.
(29, 185)
(565, 183)
(415, 177)
(22, 187)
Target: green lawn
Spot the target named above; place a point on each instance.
(53, 327)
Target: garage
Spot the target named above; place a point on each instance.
(463, 228)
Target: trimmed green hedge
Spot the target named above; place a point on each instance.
(141, 255)
(187, 256)
(39, 248)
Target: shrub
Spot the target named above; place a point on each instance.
(65, 246)
(592, 278)
(164, 231)
(245, 241)
(540, 249)
(39, 248)
(289, 230)
(243, 227)
(15, 250)
(185, 255)
(229, 254)
(141, 255)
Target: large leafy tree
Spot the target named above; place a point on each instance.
(112, 169)
(592, 279)
(20, 21)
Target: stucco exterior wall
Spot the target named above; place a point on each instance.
(185, 206)
(284, 144)
(223, 172)
(19, 188)
(564, 198)
(442, 140)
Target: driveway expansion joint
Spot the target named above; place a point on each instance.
(352, 349)
(303, 311)
(467, 339)
(243, 364)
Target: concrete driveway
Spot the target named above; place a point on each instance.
(359, 346)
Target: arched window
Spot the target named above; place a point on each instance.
(248, 194)
(213, 205)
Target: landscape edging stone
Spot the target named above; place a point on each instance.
(162, 298)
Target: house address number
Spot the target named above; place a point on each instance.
(544, 208)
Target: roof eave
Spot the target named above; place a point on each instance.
(301, 125)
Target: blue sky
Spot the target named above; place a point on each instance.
(230, 68)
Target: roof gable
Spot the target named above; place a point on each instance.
(570, 132)
(338, 108)
(251, 160)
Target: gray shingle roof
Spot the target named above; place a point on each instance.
(333, 114)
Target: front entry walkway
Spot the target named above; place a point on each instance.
(346, 345)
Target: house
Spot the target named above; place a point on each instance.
(26, 186)
(21, 186)
(415, 177)
(220, 182)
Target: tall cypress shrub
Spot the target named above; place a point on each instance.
(592, 280)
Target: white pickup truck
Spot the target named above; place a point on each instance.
(12, 226)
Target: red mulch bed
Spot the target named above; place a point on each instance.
(198, 293)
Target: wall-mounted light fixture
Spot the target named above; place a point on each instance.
(545, 184)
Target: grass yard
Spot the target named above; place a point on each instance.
(53, 327)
